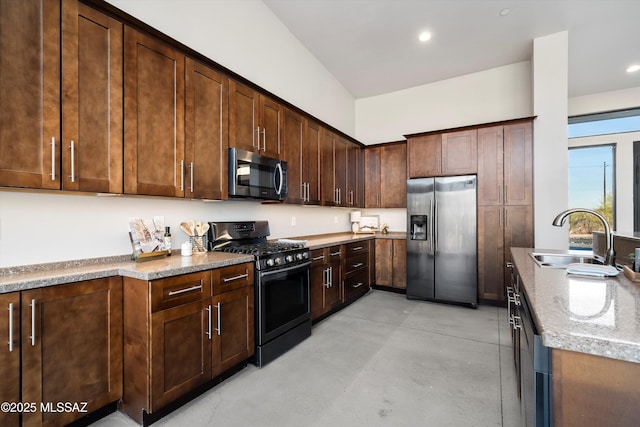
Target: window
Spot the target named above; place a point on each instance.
(591, 185)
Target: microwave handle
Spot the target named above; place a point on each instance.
(279, 174)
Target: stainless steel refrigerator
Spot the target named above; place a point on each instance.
(442, 255)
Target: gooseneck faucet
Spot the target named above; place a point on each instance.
(561, 218)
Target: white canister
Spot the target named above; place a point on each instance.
(186, 249)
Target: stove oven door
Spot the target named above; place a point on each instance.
(282, 302)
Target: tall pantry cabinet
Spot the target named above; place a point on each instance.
(505, 202)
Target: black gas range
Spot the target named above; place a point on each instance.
(282, 308)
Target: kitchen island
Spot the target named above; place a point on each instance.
(592, 327)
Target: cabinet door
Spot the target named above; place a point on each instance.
(72, 347)
(491, 249)
(271, 114)
(292, 143)
(318, 277)
(92, 104)
(233, 328)
(393, 179)
(518, 232)
(154, 117)
(206, 132)
(340, 170)
(490, 166)
(460, 152)
(424, 156)
(350, 198)
(30, 94)
(384, 262)
(243, 116)
(311, 162)
(372, 177)
(10, 355)
(333, 292)
(180, 351)
(518, 164)
(327, 177)
(399, 276)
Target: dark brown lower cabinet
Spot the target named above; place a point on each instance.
(391, 263)
(326, 280)
(10, 355)
(71, 349)
(500, 228)
(181, 332)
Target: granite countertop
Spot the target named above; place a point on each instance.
(40, 275)
(26, 277)
(324, 240)
(587, 315)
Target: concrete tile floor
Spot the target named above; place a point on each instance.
(382, 361)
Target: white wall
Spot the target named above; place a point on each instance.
(606, 101)
(624, 172)
(247, 38)
(550, 99)
(493, 95)
(38, 228)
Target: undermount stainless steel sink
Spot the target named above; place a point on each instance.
(562, 260)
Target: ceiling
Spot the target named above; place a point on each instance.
(372, 47)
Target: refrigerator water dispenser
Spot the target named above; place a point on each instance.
(418, 227)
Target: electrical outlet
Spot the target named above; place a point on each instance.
(293, 221)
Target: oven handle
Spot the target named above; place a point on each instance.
(300, 267)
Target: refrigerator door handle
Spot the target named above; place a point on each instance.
(435, 225)
(430, 225)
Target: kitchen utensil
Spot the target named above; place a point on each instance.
(184, 226)
(192, 226)
(198, 228)
(205, 228)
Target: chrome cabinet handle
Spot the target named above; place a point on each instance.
(182, 291)
(32, 337)
(53, 158)
(506, 194)
(208, 333)
(357, 248)
(360, 264)
(73, 162)
(336, 253)
(258, 131)
(181, 175)
(191, 174)
(326, 278)
(231, 279)
(219, 328)
(331, 277)
(10, 327)
(317, 258)
(357, 285)
(517, 322)
(264, 140)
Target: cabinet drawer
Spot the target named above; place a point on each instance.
(177, 290)
(357, 262)
(319, 257)
(234, 277)
(356, 285)
(357, 248)
(336, 252)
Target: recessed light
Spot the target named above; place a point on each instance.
(633, 68)
(424, 36)
(505, 12)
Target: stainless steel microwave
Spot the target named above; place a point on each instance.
(254, 176)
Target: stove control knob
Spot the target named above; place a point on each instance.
(278, 261)
(270, 263)
(289, 258)
(299, 256)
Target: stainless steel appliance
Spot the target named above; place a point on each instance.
(255, 176)
(441, 241)
(282, 306)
